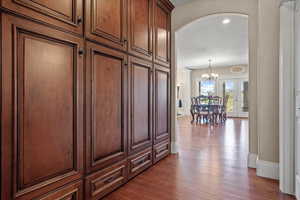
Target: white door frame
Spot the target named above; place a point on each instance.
(287, 98)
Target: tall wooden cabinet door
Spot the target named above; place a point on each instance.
(42, 99)
(65, 14)
(162, 29)
(106, 89)
(140, 28)
(106, 22)
(162, 104)
(140, 136)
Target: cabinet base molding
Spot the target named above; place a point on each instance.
(267, 169)
(174, 148)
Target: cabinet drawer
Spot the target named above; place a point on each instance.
(102, 182)
(70, 192)
(140, 162)
(161, 150)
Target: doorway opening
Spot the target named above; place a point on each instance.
(212, 94)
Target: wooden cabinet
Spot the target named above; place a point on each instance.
(106, 22)
(140, 28)
(81, 103)
(162, 104)
(101, 183)
(106, 111)
(162, 29)
(140, 135)
(66, 14)
(42, 111)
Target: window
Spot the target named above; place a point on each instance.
(207, 87)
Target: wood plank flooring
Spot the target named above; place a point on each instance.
(211, 165)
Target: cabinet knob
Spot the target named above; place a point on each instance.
(79, 20)
(125, 40)
(81, 51)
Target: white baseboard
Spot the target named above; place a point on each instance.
(252, 158)
(298, 187)
(174, 149)
(267, 169)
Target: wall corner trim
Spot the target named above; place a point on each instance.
(252, 158)
(267, 169)
(298, 187)
(174, 149)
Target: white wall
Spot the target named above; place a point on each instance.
(268, 91)
(184, 81)
(287, 100)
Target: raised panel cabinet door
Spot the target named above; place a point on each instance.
(162, 104)
(42, 98)
(106, 22)
(65, 14)
(162, 29)
(106, 111)
(140, 28)
(140, 136)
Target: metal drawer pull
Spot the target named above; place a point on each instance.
(109, 180)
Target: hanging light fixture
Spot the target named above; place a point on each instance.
(210, 75)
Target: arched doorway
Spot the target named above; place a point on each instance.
(184, 15)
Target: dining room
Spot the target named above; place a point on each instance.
(213, 70)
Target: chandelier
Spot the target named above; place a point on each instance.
(210, 75)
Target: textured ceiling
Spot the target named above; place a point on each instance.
(208, 38)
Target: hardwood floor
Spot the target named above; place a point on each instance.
(211, 165)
